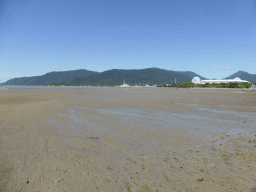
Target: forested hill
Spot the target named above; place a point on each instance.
(50, 78)
(244, 76)
(191, 74)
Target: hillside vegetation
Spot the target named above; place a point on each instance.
(50, 78)
(116, 77)
(191, 74)
(244, 76)
(142, 76)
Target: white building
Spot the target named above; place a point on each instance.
(197, 80)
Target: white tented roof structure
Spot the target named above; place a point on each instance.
(197, 80)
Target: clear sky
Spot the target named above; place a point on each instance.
(214, 38)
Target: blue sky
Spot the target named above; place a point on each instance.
(214, 38)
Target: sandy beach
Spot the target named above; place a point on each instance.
(127, 139)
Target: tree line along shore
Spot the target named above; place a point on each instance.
(177, 85)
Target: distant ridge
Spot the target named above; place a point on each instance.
(191, 74)
(244, 76)
(134, 76)
(116, 77)
(50, 78)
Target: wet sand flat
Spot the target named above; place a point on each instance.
(127, 139)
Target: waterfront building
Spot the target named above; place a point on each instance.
(197, 80)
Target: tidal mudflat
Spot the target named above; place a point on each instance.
(127, 139)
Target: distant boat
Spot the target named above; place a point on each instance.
(124, 85)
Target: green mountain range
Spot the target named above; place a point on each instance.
(142, 76)
(116, 77)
